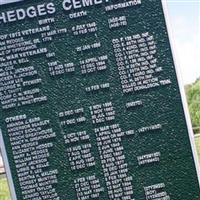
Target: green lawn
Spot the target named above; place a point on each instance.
(4, 192)
(198, 146)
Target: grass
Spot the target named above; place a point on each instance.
(4, 191)
(197, 140)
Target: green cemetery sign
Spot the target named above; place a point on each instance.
(91, 107)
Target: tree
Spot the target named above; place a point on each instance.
(193, 97)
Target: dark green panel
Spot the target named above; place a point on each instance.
(90, 102)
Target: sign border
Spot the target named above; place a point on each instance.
(7, 168)
(181, 88)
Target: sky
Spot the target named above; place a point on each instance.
(184, 17)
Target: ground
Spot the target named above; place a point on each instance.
(4, 192)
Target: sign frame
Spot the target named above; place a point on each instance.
(10, 1)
